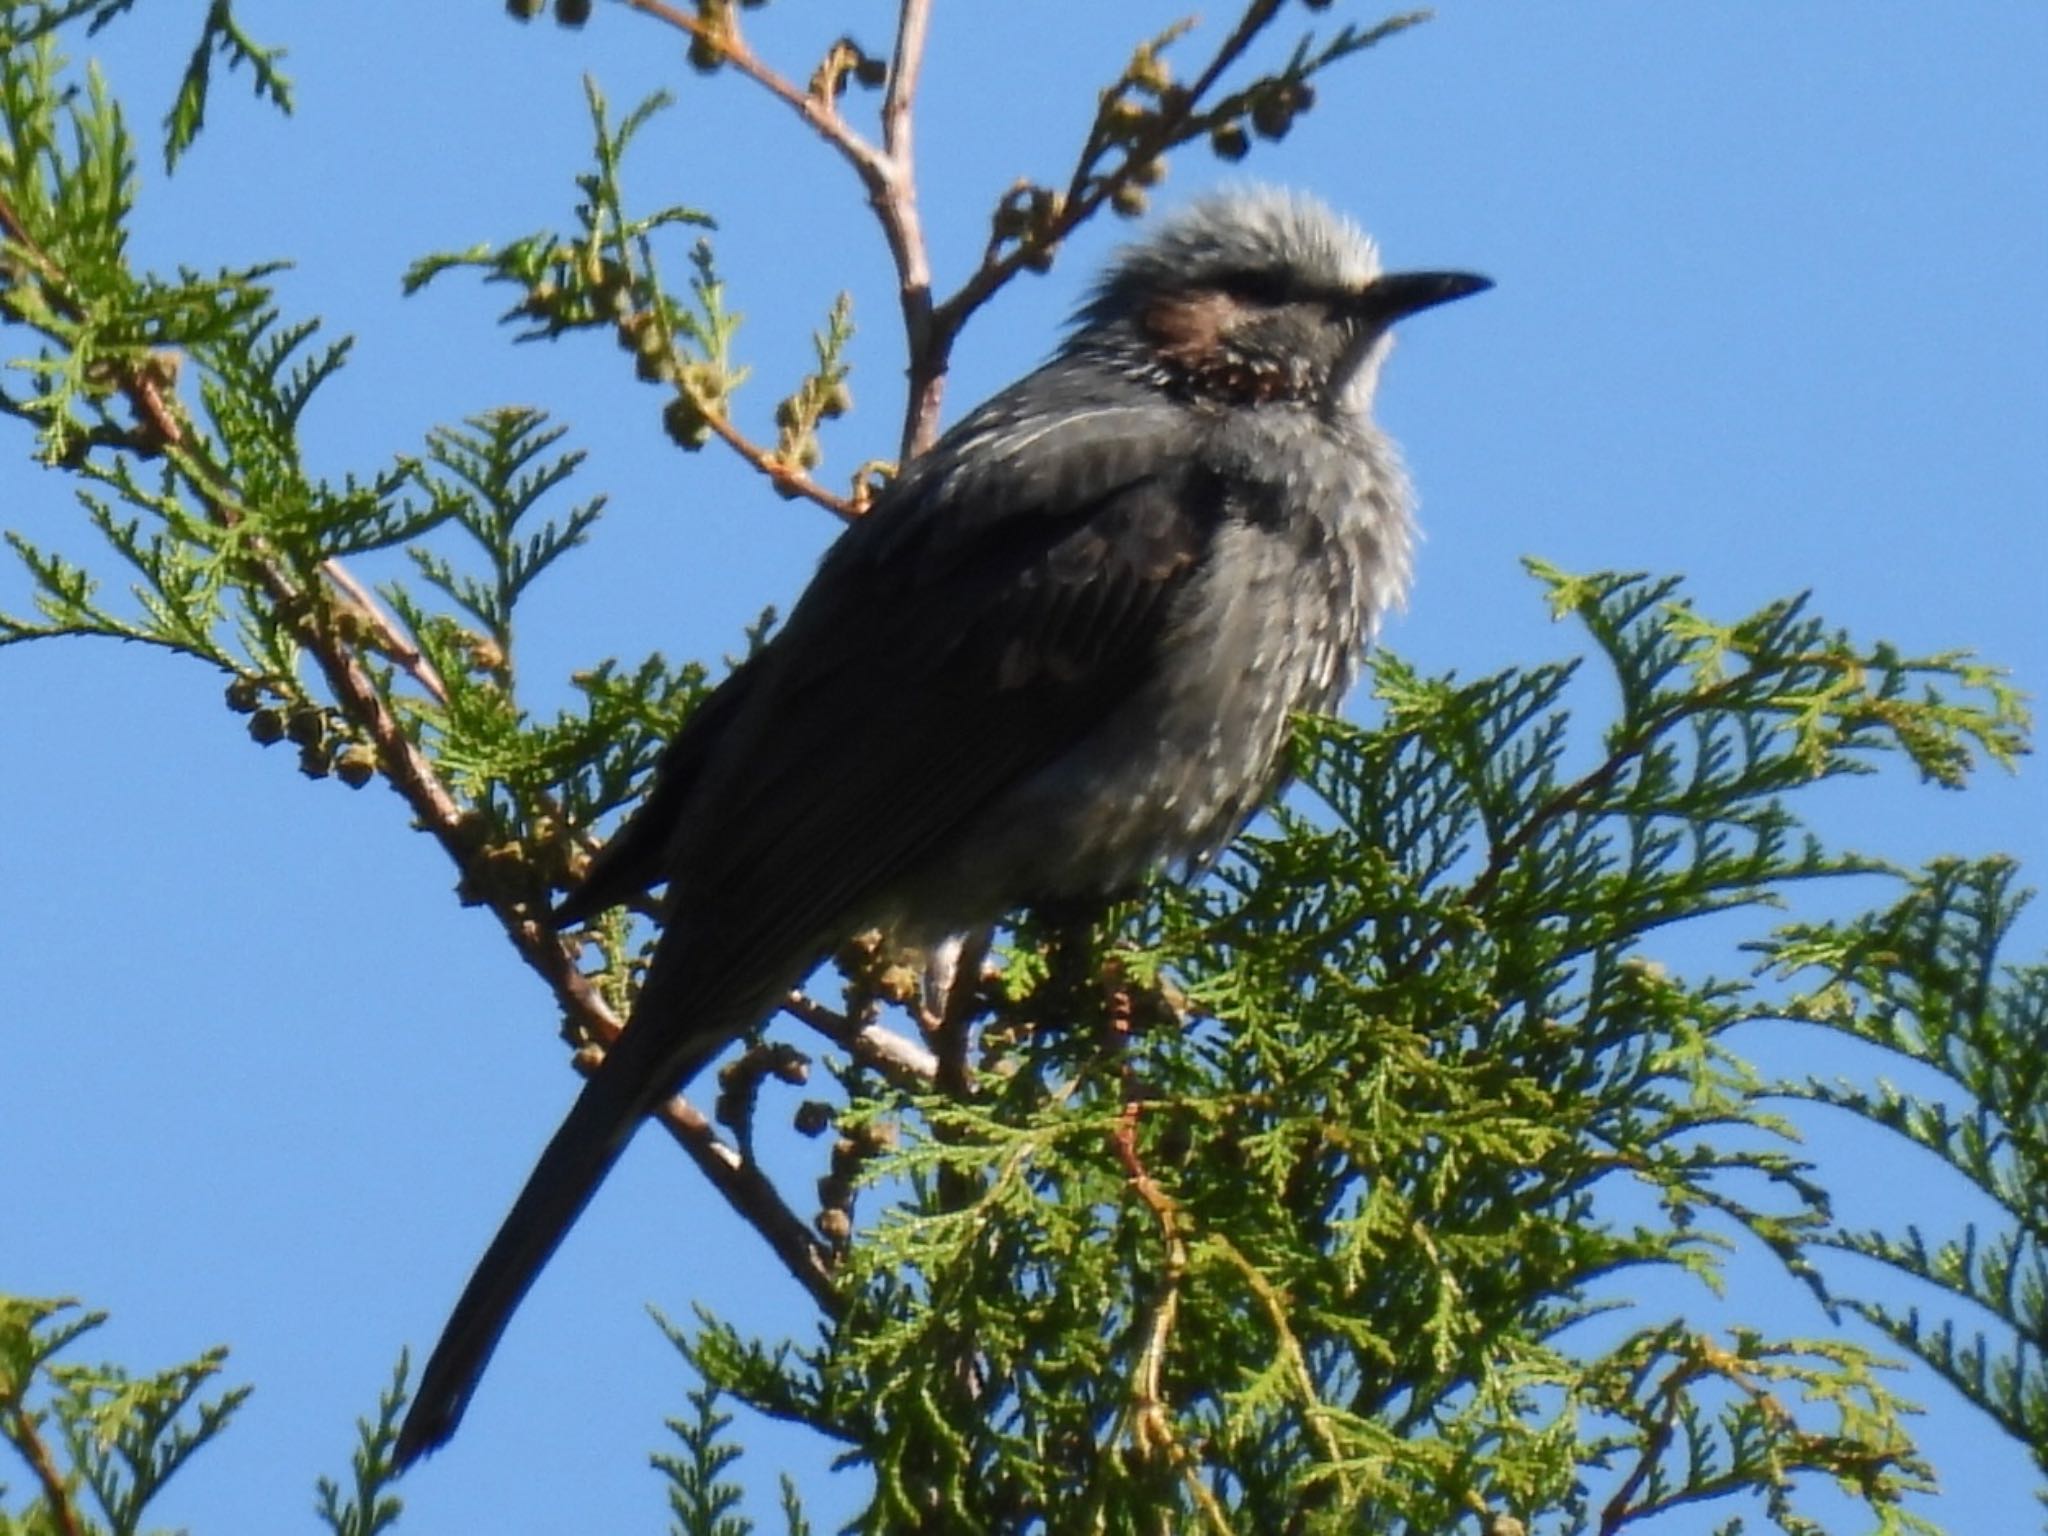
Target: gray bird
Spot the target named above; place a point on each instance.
(1060, 651)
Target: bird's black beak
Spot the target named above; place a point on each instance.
(1401, 294)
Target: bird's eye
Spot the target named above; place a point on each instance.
(1267, 289)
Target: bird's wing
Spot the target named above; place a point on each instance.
(982, 621)
(636, 855)
(977, 629)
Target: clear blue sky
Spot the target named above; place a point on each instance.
(1773, 312)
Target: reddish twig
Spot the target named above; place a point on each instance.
(781, 474)
(1152, 1430)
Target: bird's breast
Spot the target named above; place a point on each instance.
(1273, 622)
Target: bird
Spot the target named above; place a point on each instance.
(1060, 651)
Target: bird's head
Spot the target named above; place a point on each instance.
(1253, 296)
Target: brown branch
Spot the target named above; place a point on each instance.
(164, 422)
(56, 1497)
(820, 114)
(406, 766)
(161, 428)
(754, 1197)
(409, 771)
(392, 640)
(897, 1057)
(747, 1190)
(17, 234)
(1086, 191)
(886, 173)
(1152, 1429)
(781, 474)
(1616, 1512)
(952, 1032)
(901, 227)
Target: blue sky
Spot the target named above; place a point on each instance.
(1772, 312)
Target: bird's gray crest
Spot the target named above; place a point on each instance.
(1273, 232)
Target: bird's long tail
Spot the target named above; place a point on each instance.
(643, 1067)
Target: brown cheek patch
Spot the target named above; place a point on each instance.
(1188, 328)
(1188, 333)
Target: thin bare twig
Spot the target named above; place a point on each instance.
(754, 1197)
(781, 474)
(902, 228)
(1086, 192)
(897, 1057)
(745, 1188)
(820, 113)
(886, 172)
(392, 640)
